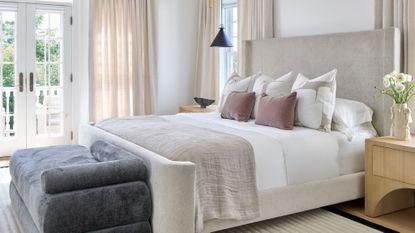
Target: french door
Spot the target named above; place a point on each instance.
(35, 75)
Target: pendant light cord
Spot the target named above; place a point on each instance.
(220, 14)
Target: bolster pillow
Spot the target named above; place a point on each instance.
(104, 151)
(76, 177)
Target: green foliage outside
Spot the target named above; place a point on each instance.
(8, 51)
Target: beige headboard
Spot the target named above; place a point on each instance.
(361, 58)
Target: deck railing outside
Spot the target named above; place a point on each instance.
(48, 111)
(7, 116)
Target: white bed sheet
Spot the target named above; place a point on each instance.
(284, 157)
(351, 153)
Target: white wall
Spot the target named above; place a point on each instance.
(311, 17)
(176, 36)
(80, 87)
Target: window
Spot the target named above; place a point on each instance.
(229, 56)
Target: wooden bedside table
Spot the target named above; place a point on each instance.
(197, 108)
(390, 175)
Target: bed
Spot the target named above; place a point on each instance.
(292, 174)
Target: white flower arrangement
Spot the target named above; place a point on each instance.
(399, 86)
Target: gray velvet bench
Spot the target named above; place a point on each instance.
(73, 189)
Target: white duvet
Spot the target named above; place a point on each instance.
(289, 157)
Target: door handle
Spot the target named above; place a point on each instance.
(31, 81)
(21, 84)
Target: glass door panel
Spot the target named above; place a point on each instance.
(12, 107)
(8, 74)
(48, 119)
(49, 91)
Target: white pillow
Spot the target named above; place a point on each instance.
(236, 83)
(315, 101)
(272, 87)
(280, 87)
(350, 113)
(365, 130)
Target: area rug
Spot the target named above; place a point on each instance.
(314, 221)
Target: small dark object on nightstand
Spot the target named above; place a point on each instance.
(203, 102)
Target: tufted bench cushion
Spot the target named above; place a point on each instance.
(68, 189)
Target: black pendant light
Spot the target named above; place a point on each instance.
(221, 39)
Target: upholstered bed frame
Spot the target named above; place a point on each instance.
(362, 58)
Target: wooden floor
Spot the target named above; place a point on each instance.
(4, 161)
(401, 221)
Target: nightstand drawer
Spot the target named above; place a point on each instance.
(394, 164)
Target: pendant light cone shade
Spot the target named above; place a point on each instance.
(221, 39)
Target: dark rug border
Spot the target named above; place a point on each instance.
(359, 220)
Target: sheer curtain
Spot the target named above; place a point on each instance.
(121, 59)
(256, 21)
(400, 14)
(207, 59)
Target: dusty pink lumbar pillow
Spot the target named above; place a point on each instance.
(238, 106)
(277, 112)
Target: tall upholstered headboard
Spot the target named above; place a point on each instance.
(361, 58)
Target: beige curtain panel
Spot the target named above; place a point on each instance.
(256, 22)
(256, 19)
(121, 58)
(207, 59)
(400, 14)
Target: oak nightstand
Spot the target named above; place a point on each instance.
(390, 175)
(197, 108)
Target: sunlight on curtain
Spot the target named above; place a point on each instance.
(207, 60)
(256, 22)
(121, 59)
(397, 13)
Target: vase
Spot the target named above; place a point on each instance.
(401, 118)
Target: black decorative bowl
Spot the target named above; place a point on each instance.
(203, 102)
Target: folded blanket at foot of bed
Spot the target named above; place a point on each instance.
(225, 164)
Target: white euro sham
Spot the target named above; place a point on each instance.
(278, 87)
(237, 83)
(315, 101)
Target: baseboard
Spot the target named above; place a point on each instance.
(4, 161)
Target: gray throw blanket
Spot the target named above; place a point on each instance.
(225, 163)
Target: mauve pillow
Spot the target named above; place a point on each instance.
(238, 106)
(277, 112)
